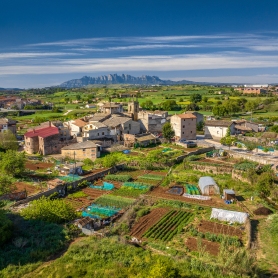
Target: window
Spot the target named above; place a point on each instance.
(102, 133)
(98, 134)
(183, 126)
(84, 150)
(191, 131)
(183, 132)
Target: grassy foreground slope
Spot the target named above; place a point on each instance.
(108, 257)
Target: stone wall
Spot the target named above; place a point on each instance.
(197, 152)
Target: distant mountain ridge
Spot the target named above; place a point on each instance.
(121, 79)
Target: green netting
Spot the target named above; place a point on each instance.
(151, 177)
(105, 186)
(166, 150)
(69, 178)
(192, 189)
(136, 185)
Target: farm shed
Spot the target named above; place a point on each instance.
(229, 215)
(229, 194)
(208, 186)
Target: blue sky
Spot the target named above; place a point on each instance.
(45, 43)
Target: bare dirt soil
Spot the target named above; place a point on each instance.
(38, 165)
(208, 246)
(31, 189)
(147, 221)
(162, 193)
(217, 228)
(83, 202)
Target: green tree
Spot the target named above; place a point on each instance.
(110, 160)
(6, 184)
(168, 132)
(55, 211)
(148, 104)
(228, 140)
(13, 163)
(196, 98)
(200, 126)
(265, 184)
(8, 141)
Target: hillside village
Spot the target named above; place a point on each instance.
(185, 183)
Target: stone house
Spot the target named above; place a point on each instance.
(45, 140)
(81, 151)
(111, 108)
(218, 129)
(75, 126)
(184, 126)
(152, 121)
(7, 124)
(95, 130)
(122, 125)
(243, 126)
(199, 116)
(131, 140)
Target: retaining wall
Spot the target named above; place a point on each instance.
(89, 178)
(211, 168)
(200, 151)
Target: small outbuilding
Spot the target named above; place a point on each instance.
(229, 215)
(229, 194)
(208, 186)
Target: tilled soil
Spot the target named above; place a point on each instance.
(31, 189)
(38, 165)
(147, 221)
(217, 228)
(161, 192)
(212, 248)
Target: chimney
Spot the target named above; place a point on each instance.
(34, 130)
(49, 123)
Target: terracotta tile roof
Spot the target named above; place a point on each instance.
(79, 123)
(218, 123)
(187, 116)
(42, 132)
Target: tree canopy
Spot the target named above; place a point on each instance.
(168, 131)
(12, 163)
(8, 141)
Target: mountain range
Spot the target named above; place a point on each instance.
(121, 79)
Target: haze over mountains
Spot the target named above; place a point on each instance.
(121, 79)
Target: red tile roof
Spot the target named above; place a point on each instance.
(187, 116)
(42, 132)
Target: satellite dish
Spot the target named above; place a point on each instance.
(163, 121)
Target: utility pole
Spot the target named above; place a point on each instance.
(74, 166)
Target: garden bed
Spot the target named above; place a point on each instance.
(38, 165)
(212, 248)
(217, 228)
(169, 225)
(31, 189)
(147, 222)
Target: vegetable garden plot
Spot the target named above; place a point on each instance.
(114, 201)
(217, 228)
(137, 185)
(128, 191)
(151, 177)
(176, 190)
(170, 225)
(98, 211)
(209, 246)
(192, 189)
(147, 221)
(120, 178)
(105, 186)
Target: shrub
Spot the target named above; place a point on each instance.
(6, 227)
(55, 211)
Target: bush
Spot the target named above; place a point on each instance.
(6, 227)
(55, 211)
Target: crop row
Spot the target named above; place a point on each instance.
(114, 201)
(151, 177)
(171, 224)
(120, 178)
(129, 192)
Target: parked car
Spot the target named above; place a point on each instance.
(191, 144)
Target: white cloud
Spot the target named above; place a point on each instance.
(14, 55)
(145, 63)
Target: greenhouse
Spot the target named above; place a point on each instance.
(229, 215)
(208, 186)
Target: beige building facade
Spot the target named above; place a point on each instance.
(81, 151)
(184, 126)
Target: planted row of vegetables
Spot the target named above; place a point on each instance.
(170, 225)
(114, 201)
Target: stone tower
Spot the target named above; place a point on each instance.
(133, 109)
